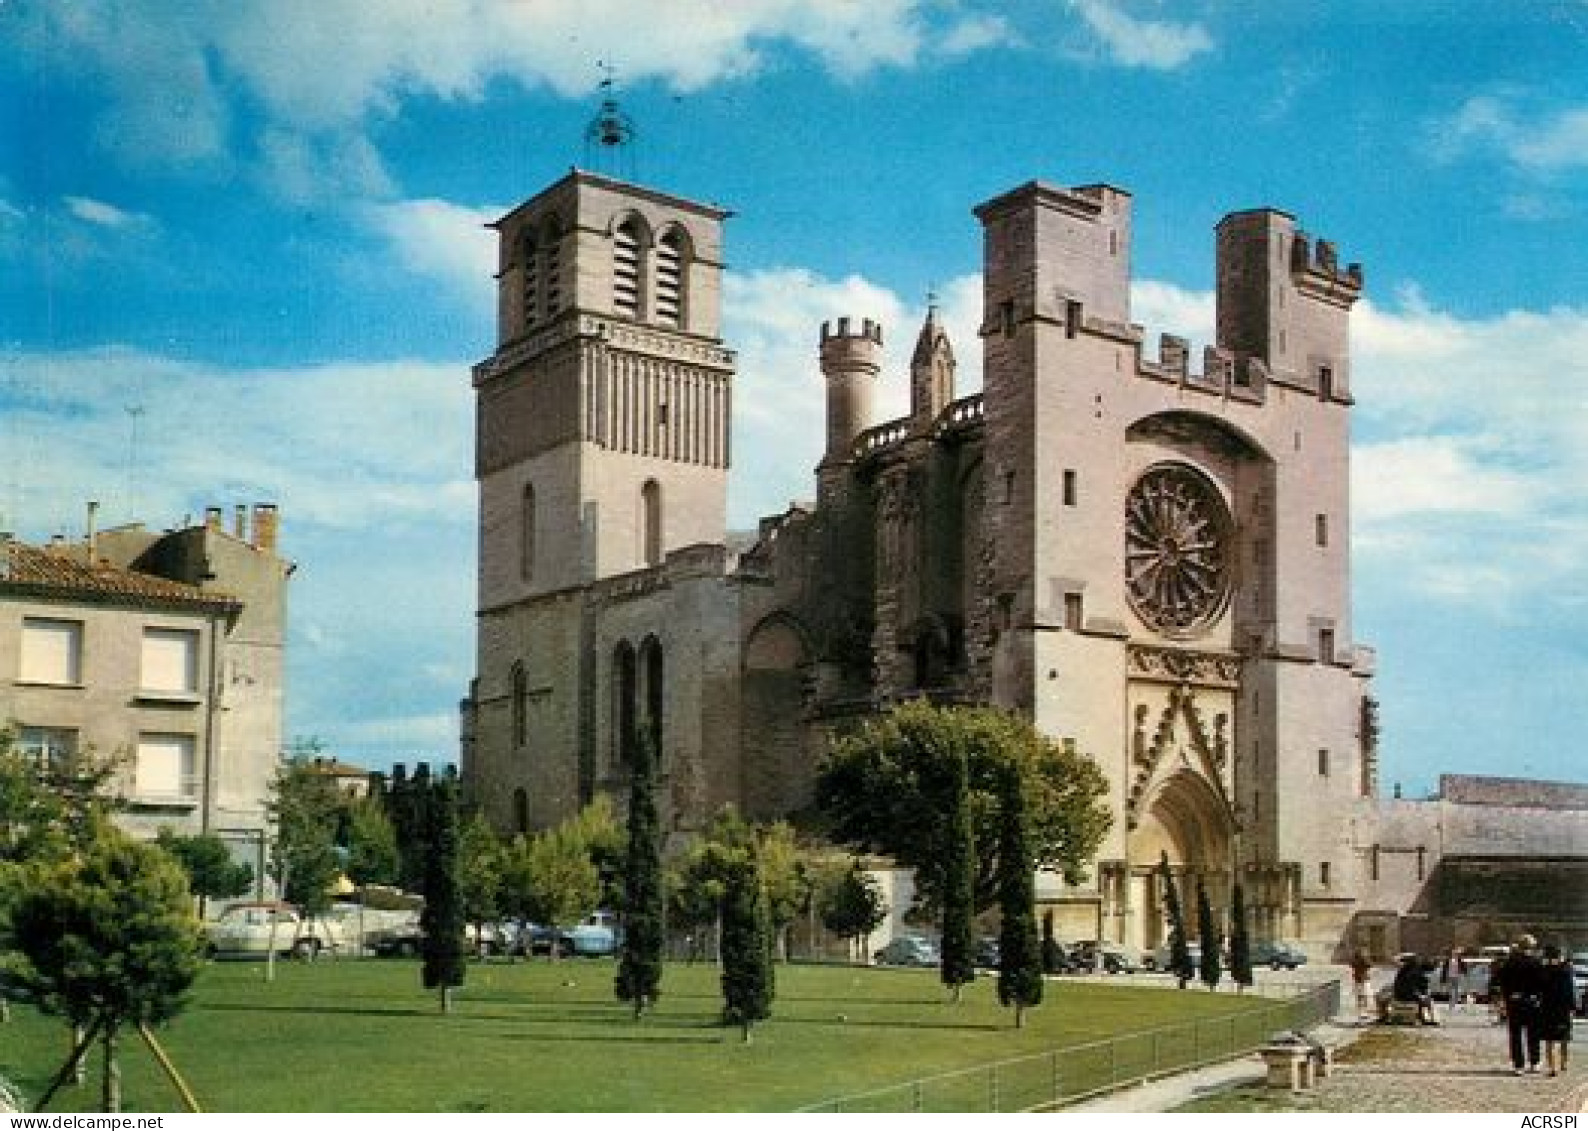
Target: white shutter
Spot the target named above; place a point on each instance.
(52, 651)
(170, 660)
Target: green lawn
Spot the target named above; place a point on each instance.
(542, 1036)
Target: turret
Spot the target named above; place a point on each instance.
(851, 360)
(931, 371)
(1286, 300)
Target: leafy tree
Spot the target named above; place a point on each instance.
(1179, 953)
(1019, 955)
(883, 789)
(958, 963)
(52, 807)
(1212, 944)
(851, 905)
(107, 939)
(211, 871)
(786, 878)
(639, 977)
(480, 860)
(698, 879)
(1240, 941)
(442, 921)
(747, 975)
(550, 877)
(372, 855)
(305, 812)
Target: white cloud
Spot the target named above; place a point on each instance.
(338, 445)
(104, 215)
(1537, 141)
(320, 70)
(1158, 45)
(449, 243)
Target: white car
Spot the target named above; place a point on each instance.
(252, 929)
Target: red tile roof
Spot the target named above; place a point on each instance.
(56, 572)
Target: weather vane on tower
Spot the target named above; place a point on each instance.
(609, 138)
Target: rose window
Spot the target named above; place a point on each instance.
(1177, 542)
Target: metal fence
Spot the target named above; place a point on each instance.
(1076, 1072)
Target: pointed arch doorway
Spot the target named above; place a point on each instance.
(1188, 821)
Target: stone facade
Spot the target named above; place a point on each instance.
(1145, 556)
(165, 651)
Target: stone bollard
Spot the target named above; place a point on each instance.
(1291, 1061)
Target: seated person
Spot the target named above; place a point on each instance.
(1411, 985)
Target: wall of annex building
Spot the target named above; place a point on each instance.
(547, 637)
(692, 617)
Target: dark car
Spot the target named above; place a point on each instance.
(1278, 955)
(909, 950)
(987, 954)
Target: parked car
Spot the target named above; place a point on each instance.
(595, 935)
(1090, 955)
(403, 941)
(247, 930)
(1278, 955)
(987, 953)
(909, 950)
(1579, 980)
(537, 940)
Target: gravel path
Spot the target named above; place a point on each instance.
(1462, 1065)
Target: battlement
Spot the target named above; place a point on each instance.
(1318, 262)
(869, 331)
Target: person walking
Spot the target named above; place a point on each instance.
(1555, 1010)
(1520, 981)
(1362, 982)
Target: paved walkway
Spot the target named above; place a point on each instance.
(1462, 1065)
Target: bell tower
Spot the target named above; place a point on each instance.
(602, 417)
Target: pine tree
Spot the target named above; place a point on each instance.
(958, 963)
(1212, 944)
(1019, 953)
(747, 973)
(639, 977)
(1240, 941)
(107, 939)
(442, 919)
(1179, 953)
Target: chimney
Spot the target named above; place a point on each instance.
(267, 522)
(93, 533)
(240, 523)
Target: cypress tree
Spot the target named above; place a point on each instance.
(958, 962)
(747, 975)
(1240, 941)
(1212, 944)
(1019, 953)
(639, 977)
(441, 920)
(1179, 953)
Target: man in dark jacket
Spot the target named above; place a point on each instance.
(1519, 981)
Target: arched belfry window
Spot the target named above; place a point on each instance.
(651, 680)
(627, 249)
(671, 257)
(518, 699)
(551, 266)
(625, 682)
(651, 522)
(529, 256)
(526, 547)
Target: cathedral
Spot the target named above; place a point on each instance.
(1142, 552)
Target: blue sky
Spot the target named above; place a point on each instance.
(242, 259)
